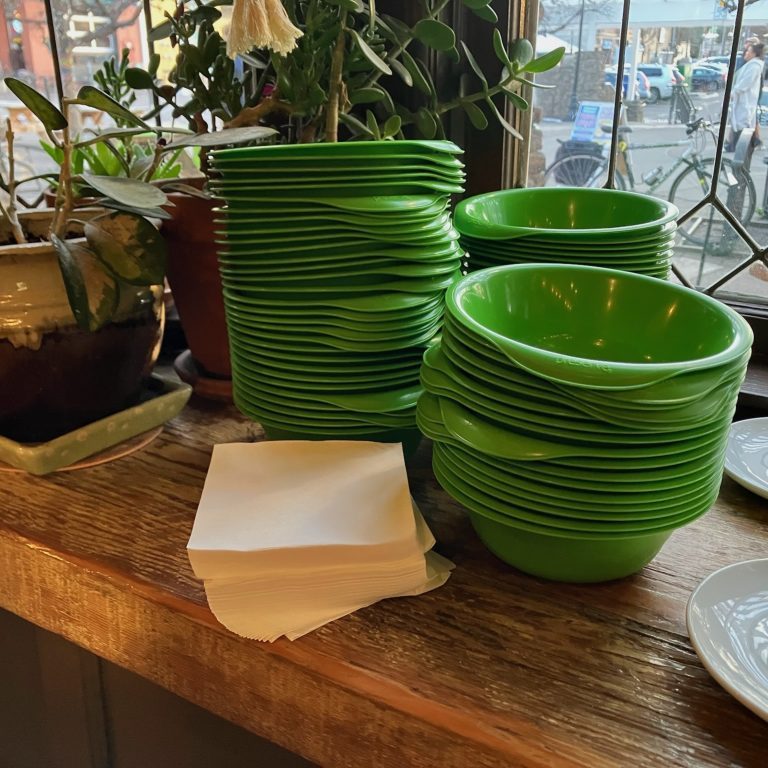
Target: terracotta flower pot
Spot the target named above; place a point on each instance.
(193, 274)
(54, 376)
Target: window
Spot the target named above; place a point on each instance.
(675, 131)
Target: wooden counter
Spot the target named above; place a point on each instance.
(494, 669)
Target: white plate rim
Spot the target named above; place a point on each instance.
(733, 471)
(747, 699)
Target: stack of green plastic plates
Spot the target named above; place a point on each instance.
(580, 414)
(599, 227)
(335, 259)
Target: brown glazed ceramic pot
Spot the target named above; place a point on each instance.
(54, 376)
(193, 274)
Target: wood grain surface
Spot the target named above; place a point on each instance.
(494, 669)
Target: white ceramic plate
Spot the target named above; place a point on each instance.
(746, 458)
(727, 620)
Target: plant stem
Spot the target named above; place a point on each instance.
(63, 206)
(335, 83)
(254, 115)
(18, 232)
(150, 172)
(400, 47)
(449, 105)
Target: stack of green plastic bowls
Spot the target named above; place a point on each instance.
(599, 227)
(580, 414)
(334, 260)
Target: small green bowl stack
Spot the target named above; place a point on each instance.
(334, 261)
(580, 414)
(563, 225)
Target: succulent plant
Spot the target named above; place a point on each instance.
(347, 67)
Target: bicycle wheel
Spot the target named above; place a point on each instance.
(576, 171)
(694, 183)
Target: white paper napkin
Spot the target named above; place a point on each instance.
(291, 535)
(317, 503)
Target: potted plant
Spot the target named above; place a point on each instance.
(82, 318)
(316, 71)
(125, 152)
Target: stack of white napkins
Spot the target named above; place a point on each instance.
(291, 535)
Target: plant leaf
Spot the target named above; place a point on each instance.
(475, 114)
(174, 185)
(115, 133)
(426, 123)
(129, 246)
(500, 50)
(521, 52)
(93, 97)
(139, 79)
(224, 137)
(161, 31)
(369, 53)
(366, 96)
(405, 75)
(505, 124)
(486, 13)
(475, 66)
(392, 126)
(435, 34)
(401, 30)
(355, 125)
(418, 78)
(49, 115)
(543, 86)
(137, 194)
(92, 292)
(475, 4)
(150, 213)
(373, 125)
(517, 100)
(545, 62)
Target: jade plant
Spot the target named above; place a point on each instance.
(121, 245)
(123, 154)
(313, 66)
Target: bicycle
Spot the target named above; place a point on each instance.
(687, 189)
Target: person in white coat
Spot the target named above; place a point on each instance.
(745, 94)
(744, 98)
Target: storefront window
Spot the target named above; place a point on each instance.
(680, 64)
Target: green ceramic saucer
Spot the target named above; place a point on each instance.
(160, 402)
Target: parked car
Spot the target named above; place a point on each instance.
(707, 78)
(722, 62)
(661, 78)
(643, 86)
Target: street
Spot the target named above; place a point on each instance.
(656, 129)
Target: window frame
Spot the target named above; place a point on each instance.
(498, 160)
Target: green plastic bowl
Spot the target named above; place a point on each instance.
(581, 214)
(558, 555)
(593, 327)
(582, 561)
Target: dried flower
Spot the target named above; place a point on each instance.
(260, 24)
